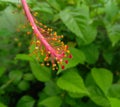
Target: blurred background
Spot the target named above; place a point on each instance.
(91, 29)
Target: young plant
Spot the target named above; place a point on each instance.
(47, 42)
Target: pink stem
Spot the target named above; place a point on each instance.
(36, 31)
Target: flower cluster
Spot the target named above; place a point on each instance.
(47, 42)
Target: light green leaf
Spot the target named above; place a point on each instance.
(26, 101)
(10, 21)
(77, 20)
(2, 105)
(77, 57)
(25, 57)
(44, 7)
(114, 102)
(103, 78)
(71, 81)
(41, 73)
(111, 9)
(114, 33)
(114, 91)
(54, 4)
(53, 101)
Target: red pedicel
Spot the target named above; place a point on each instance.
(47, 42)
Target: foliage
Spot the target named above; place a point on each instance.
(90, 79)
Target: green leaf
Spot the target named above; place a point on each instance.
(71, 81)
(103, 78)
(108, 56)
(10, 21)
(76, 95)
(111, 9)
(114, 102)
(78, 57)
(91, 53)
(97, 96)
(77, 20)
(51, 88)
(28, 77)
(25, 57)
(114, 33)
(26, 101)
(16, 76)
(23, 85)
(53, 101)
(54, 4)
(2, 105)
(44, 7)
(2, 70)
(41, 73)
(114, 91)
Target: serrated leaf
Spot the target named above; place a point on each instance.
(41, 73)
(103, 78)
(78, 57)
(71, 81)
(53, 101)
(26, 101)
(77, 20)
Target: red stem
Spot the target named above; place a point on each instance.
(36, 31)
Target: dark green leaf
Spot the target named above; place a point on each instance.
(16, 76)
(2, 70)
(26, 101)
(51, 88)
(23, 85)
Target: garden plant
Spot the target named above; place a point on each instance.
(60, 53)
